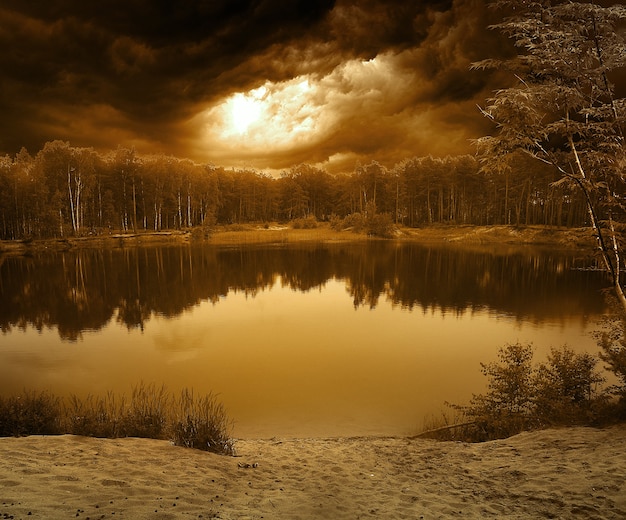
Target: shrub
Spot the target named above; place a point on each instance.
(146, 415)
(30, 413)
(566, 388)
(506, 407)
(96, 416)
(201, 423)
(194, 422)
(199, 233)
(380, 225)
(336, 222)
(355, 221)
(309, 222)
(612, 342)
(369, 222)
(519, 396)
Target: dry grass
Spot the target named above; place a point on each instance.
(201, 422)
(30, 413)
(153, 412)
(279, 234)
(511, 235)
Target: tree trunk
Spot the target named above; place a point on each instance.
(613, 269)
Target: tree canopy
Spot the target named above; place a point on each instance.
(68, 191)
(562, 109)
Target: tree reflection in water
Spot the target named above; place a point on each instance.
(81, 290)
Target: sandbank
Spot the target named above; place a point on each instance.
(559, 473)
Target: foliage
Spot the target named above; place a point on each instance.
(507, 406)
(201, 423)
(95, 416)
(563, 110)
(147, 412)
(144, 415)
(612, 342)
(31, 413)
(128, 192)
(369, 222)
(521, 396)
(380, 225)
(309, 222)
(152, 412)
(566, 388)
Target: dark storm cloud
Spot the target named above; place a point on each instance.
(135, 72)
(152, 60)
(164, 23)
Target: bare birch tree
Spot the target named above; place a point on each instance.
(563, 110)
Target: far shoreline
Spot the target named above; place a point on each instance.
(281, 234)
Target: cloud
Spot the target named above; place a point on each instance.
(403, 102)
(341, 80)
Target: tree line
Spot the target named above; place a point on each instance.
(70, 191)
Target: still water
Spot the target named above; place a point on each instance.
(314, 340)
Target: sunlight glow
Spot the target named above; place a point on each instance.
(288, 117)
(272, 115)
(245, 109)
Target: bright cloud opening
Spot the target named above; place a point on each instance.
(322, 119)
(274, 115)
(245, 109)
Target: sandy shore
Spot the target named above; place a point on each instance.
(566, 473)
(464, 235)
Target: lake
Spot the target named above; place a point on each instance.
(297, 340)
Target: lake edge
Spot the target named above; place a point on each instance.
(465, 235)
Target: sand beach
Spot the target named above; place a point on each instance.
(559, 473)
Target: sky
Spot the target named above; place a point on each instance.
(266, 84)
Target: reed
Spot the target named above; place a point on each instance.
(30, 413)
(95, 416)
(201, 422)
(193, 421)
(148, 411)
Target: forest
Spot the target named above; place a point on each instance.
(67, 191)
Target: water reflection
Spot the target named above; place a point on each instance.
(83, 290)
(324, 340)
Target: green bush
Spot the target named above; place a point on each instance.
(336, 222)
(506, 407)
(146, 415)
(380, 225)
(567, 388)
(356, 222)
(369, 222)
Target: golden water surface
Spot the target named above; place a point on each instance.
(314, 341)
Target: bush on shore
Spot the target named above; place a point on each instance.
(192, 421)
(202, 423)
(309, 222)
(612, 342)
(31, 413)
(566, 390)
(369, 222)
